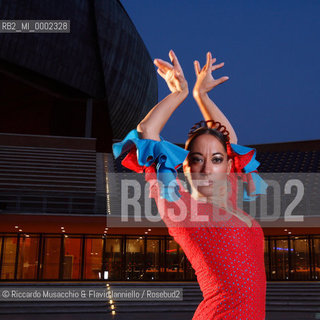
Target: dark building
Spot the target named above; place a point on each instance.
(65, 98)
(96, 81)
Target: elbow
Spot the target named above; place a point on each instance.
(145, 132)
(234, 140)
(141, 127)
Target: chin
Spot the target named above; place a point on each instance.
(206, 191)
(209, 191)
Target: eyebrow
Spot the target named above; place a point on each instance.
(201, 153)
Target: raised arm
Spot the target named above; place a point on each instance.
(205, 82)
(152, 124)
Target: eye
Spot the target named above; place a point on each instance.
(217, 160)
(195, 160)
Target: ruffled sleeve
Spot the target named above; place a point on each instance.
(245, 164)
(146, 155)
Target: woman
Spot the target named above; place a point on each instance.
(224, 245)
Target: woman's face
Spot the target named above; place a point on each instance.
(207, 164)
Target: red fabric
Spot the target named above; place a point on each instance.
(239, 162)
(227, 255)
(131, 162)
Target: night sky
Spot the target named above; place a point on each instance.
(271, 51)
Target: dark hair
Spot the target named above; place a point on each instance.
(216, 129)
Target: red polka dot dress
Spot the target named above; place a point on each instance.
(226, 254)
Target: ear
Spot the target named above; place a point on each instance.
(230, 162)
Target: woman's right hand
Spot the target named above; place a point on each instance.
(172, 73)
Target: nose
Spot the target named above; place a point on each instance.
(207, 167)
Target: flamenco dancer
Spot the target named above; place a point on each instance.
(226, 251)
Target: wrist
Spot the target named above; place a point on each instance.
(198, 93)
(183, 93)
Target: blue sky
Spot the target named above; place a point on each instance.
(271, 51)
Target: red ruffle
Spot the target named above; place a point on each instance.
(239, 162)
(131, 161)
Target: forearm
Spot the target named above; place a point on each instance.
(152, 124)
(210, 111)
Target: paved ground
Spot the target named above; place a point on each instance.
(149, 316)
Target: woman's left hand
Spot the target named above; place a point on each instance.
(172, 73)
(205, 81)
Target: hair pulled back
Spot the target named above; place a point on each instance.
(214, 128)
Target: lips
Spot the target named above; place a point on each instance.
(207, 183)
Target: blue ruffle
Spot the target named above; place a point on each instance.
(158, 150)
(169, 157)
(260, 185)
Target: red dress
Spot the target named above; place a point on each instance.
(226, 254)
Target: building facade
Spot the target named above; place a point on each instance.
(65, 99)
(58, 257)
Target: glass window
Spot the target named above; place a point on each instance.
(0, 253)
(316, 251)
(51, 259)
(300, 265)
(279, 259)
(175, 260)
(112, 259)
(93, 258)
(153, 259)
(9, 258)
(28, 257)
(162, 272)
(190, 272)
(72, 258)
(135, 258)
